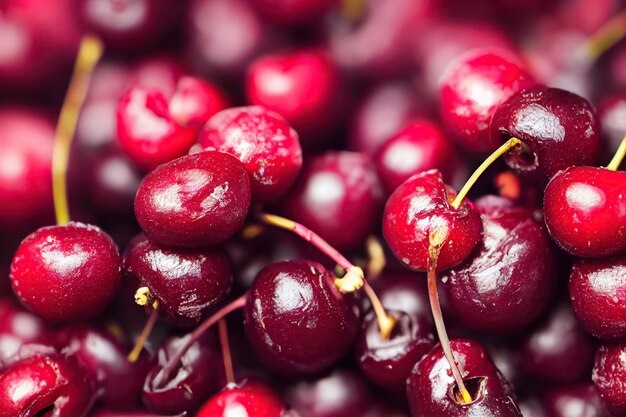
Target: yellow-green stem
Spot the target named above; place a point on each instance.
(618, 158)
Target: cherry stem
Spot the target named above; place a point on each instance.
(604, 38)
(89, 53)
(618, 157)
(171, 365)
(354, 277)
(508, 145)
(145, 333)
(377, 260)
(353, 9)
(436, 241)
(226, 354)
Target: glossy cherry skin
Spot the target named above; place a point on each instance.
(388, 363)
(612, 114)
(66, 272)
(419, 147)
(581, 400)
(472, 89)
(598, 292)
(341, 393)
(431, 387)
(118, 382)
(51, 382)
(199, 375)
(510, 278)
(109, 413)
(248, 398)
(20, 327)
(296, 12)
(25, 173)
(609, 376)
(154, 128)
(263, 141)
(418, 208)
(187, 283)
(194, 201)
(557, 349)
(404, 291)
(297, 320)
(339, 196)
(585, 211)
(303, 87)
(559, 129)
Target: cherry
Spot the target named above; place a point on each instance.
(609, 376)
(388, 362)
(25, 167)
(296, 12)
(194, 201)
(404, 291)
(19, 327)
(187, 283)
(472, 89)
(585, 211)
(263, 141)
(67, 272)
(612, 112)
(297, 320)
(249, 397)
(109, 413)
(49, 384)
(581, 400)
(558, 128)
(161, 72)
(154, 128)
(198, 376)
(118, 382)
(510, 278)
(597, 290)
(420, 146)
(557, 349)
(432, 391)
(339, 195)
(417, 209)
(302, 86)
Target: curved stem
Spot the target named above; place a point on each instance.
(386, 323)
(89, 53)
(377, 260)
(145, 333)
(508, 145)
(226, 354)
(220, 314)
(618, 157)
(435, 306)
(605, 37)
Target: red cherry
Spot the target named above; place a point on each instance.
(194, 201)
(609, 376)
(294, 12)
(249, 398)
(20, 327)
(585, 211)
(571, 401)
(66, 272)
(472, 89)
(598, 292)
(418, 208)
(265, 143)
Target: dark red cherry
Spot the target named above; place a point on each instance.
(341, 393)
(609, 376)
(109, 413)
(418, 147)
(510, 278)
(161, 72)
(154, 127)
(388, 362)
(585, 211)
(581, 400)
(612, 114)
(25, 168)
(557, 349)
(472, 89)
(432, 391)
(66, 272)
(47, 385)
(20, 327)
(118, 382)
(198, 376)
(598, 292)
(194, 201)
(302, 86)
(297, 320)
(418, 208)
(294, 12)
(339, 195)
(559, 129)
(187, 283)
(248, 398)
(404, 291)
(265, 143)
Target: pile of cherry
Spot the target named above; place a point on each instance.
(312, 208)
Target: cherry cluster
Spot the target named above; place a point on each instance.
(312, 208)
